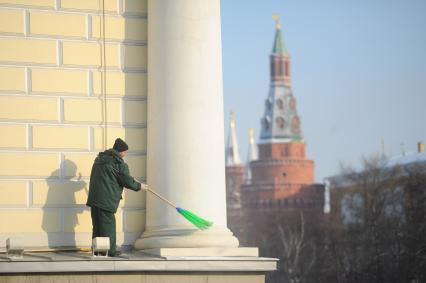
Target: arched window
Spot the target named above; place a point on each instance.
(286, 68)
(280, 122)
(280, 103)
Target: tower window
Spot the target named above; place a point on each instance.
(280, 104)
(280, 68)
(280, 122)
(295, 124)
(266, 122)
(286, 68)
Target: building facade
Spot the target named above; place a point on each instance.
(69, 85)
(73, 77)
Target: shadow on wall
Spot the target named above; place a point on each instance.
(61, 207)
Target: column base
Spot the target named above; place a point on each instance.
(186, 238)
(204, 252)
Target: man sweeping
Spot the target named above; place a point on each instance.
(109, 175)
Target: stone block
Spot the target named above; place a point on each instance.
(135, 57)
(135, 6)
(57, 24)
(135, 112)
(135, 138)
(33, 3)
(122, 278)
(29, 164)
(79, 164)
(13, 193)
(90, 54)
(56, 80)
(27, 51)
(60, 137)
(120, 28)
(11, 21)
(91, 110)
(28, 108)
(29, 221)
(55, 193)
(77, 220)
(12, 79)
(236, 278)
(80, 221)
(90, 5)
(176, 278)
(14, 136)
(113, 133)
(118, 83)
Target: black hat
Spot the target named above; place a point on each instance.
(120, 145)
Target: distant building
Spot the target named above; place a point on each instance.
(345, 193)
(280, 174)
(234, 167)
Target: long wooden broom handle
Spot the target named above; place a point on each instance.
(162, 198)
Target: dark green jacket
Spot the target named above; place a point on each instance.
(109, 175)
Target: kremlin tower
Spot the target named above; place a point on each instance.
(280, 173)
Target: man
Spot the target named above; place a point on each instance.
(109, 175)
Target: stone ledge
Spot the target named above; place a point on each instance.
(203, 252)
(82, 262)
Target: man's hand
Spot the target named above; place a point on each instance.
(144, 187)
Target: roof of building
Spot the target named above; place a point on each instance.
(404, 160)
(407, 158)
(279, 46)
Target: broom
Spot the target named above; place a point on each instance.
(199, 222)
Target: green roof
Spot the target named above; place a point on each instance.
(279, 47)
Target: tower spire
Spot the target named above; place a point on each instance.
(232, 148)
(280, 122)
(278, 47)
(280, 59)
(252, 152)
(251, 156)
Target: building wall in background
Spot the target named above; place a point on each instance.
(52, 114)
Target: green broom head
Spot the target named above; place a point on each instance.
(201, 223)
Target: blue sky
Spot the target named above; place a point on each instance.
(358, 73)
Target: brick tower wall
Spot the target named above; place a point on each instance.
(234, 181)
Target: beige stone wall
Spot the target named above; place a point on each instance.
(52, 113)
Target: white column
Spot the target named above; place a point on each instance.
(185, 159)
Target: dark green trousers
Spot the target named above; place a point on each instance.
(103, 223)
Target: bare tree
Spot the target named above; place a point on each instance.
(299, 255)
(384, 239)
